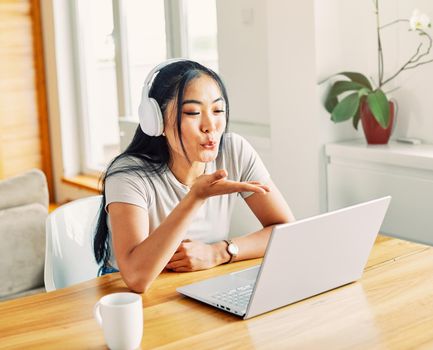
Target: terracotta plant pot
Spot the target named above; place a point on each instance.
(374, 133)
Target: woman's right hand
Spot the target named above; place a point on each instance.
(215, 184)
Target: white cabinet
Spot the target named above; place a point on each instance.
(358, 172)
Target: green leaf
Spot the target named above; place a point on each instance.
(338, 88)
(379, 106)
(356, 117)
(330, 103)
(363, 92)
(357, 78)
(346, 108)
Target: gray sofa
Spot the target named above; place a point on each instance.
(23, 211)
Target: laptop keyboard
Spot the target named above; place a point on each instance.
(239, 296)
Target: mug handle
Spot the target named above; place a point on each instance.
(97, 313)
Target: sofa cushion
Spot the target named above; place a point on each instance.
(26, 293)
(22, 248)
(30, 187)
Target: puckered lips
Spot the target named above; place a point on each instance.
(209, 144)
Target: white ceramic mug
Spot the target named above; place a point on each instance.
(121, 317)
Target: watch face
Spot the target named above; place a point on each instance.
(233, 249)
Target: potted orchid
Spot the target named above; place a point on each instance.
(358, 98)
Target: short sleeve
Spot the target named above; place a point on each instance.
(127, 188)
(249, 165)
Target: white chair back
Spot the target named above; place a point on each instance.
(69, 255)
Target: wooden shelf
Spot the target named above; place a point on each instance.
(394, 153)
(86, 182)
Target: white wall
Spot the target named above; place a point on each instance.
(243, 59)
(346, 40)
(305, 43)
(293, 95)
(286, 89)
(414, 98)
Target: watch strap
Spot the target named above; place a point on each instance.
(232, 256)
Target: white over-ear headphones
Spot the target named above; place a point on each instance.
(149, 112)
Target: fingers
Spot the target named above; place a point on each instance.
(255, 189)
(228, 186)
(182, 245)
(266, 188)
(258, 183)
(218, 175)
(217, 184)
(245, 185)
(177, 264)
(182, 269)
(177, 256)
(248, 187)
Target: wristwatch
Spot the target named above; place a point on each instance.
(232, 249)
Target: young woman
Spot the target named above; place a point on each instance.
(167, 200)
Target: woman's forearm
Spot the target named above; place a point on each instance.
(250, 246)
(146, 261)
(254, 244)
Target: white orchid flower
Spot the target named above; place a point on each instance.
(419, 20)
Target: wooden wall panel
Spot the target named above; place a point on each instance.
(24, 142)
(18, 103)
(44, 132)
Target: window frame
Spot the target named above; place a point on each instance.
(176, 31)
(176, 41)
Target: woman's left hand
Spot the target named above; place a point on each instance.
(192, 256)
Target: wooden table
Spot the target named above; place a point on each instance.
(391, 307)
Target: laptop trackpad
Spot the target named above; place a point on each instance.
(249, 275)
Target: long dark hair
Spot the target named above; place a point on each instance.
(151, 154)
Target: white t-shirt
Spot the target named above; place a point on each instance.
(159, 194)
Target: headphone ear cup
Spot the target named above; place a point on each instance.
(150, 115)
(157, 116)
(151, 121)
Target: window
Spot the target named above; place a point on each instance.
(202, 32)
(96, 69)
(117, 43)
(146, 42)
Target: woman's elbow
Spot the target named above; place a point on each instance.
(289, 216)
(284, 219)
(135, 283)
(138, 286)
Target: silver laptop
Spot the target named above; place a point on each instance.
(302, 259)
